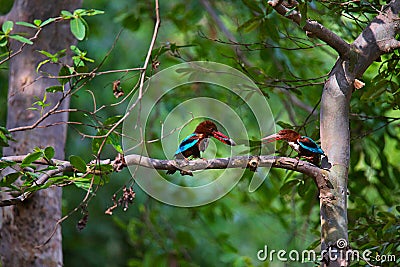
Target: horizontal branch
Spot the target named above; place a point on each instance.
(316, 29)
(251, 162)
(226, 163)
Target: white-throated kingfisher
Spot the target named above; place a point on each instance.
(197, 142)
(304, 145)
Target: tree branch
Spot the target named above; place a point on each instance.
(388, 46)
(317, 30)
(251, 162)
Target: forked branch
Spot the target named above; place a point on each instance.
(313, 28)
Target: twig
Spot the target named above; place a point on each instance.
(92, 73)
(318, 30)
(21, 47)
(153, 41)
(42, 118)
(142, 78)
(261, 45)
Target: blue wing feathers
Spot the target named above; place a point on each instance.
(187, 143)
(309, 144)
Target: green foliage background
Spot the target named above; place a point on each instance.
(284, 212)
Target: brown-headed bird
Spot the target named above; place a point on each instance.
(197, 142)
(305, 146)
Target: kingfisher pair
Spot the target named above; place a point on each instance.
(197, 142)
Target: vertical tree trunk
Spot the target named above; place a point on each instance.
(25, 226)
(377, 38)
(335, 137)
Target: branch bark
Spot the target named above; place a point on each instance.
(377, 38)
(335, 103)
(315, 28)
(253, 162)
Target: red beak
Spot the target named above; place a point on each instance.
(223, 138)
(271, 138)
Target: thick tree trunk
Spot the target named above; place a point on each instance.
(376, 39)
(335, 136)
(25, 226)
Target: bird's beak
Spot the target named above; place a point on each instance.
(271, 138)
(223, 138)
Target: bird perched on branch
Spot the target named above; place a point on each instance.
(305, 146)
(198, 141)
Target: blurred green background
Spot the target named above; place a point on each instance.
(290, 70)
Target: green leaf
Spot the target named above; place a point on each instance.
(93, 12)
(386, 215)
(84, 182)
(82, 69)
(113, 139)
(82, 185)
(6, 163)
(112, 120)
(47, 54)
(21, 39)
(303, 12)
(66, 14)
(57, 180)
(55, 88)
(31, 158)
(41, 64)
(54, 58)
(387, 226)
(96, 143)
(7, 27)
(3, 140)
(47, 21)
(104, 168)
(64, 71)
(78, 28)
(26, 24)
(78, 163)
(4, 43)
(75, 49)
(9, 179)
(37, 22)
(79, 12)
(49, 152)
(4, 130)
